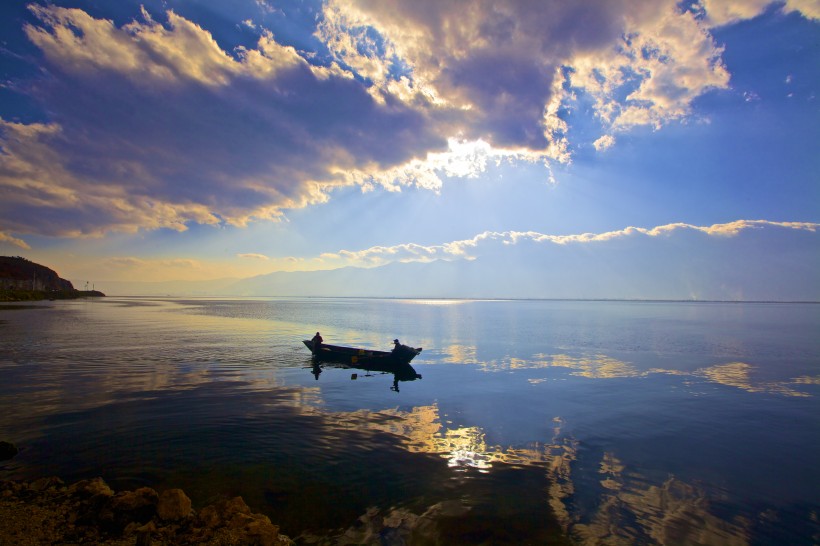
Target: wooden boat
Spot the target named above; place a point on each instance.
(355, 356)
(396, 361)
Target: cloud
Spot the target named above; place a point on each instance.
(470, 249)
(643, 63)
(253, 256)
(5, 238)
(810, 9)
(724, 12)
(604, 143)
(131, 262)
(141, 269)
(653, 75)
(153, 124)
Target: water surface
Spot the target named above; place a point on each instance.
(534, 421)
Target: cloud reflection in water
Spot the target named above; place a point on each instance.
(599, 366)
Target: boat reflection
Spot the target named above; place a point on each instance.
(396, 361)
(401, 371)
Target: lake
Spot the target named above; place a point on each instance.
(533, 422)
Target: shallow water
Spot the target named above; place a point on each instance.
(597, 422)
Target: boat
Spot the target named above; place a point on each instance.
(396, 361)
(402, 354)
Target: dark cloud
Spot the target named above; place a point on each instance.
(139, 128)
(509, 94)
(161, 121)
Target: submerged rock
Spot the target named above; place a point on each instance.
(7, 451)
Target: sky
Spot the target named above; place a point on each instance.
(183, 140)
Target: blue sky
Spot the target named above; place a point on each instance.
(196, 140)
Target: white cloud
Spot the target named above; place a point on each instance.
(604, 143)
(660, 66)
(724, 12)
(665, 56)
(149, 52)
(471, 248)
(253, 256)
(810, 9)
(463, 159)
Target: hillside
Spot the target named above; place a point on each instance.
(22, 279)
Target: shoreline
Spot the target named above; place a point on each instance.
(40, 295)
(49, 511)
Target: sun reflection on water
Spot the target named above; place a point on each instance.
(599, 495)
(630, 507)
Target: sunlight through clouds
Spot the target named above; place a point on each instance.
(455, 132)
(412, 76)
(462, 160)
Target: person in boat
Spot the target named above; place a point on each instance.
(317, 341)
(396, 346)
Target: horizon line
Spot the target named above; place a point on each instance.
(443, 298)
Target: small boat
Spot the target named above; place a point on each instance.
(402, 354)
(396, 361)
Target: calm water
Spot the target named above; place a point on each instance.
(534, 422)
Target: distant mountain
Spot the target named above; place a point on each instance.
(776, 264)
(436, 279)
(393, 280)
(216, 287)
(21, 274)
(648, 269)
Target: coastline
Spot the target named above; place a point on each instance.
(49, 511)
(40, 295)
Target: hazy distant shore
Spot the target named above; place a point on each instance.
(39, 295)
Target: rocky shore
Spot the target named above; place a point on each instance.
(49, 511)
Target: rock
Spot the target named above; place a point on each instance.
(262, 532)
(239, 521)
(7, 451)
(173, 504)
(44, 484)
(143, 538)
(89, 512)
(209, 517)
(234, 506)
(144, 534)
(90, 488)
(129, 506)
(233, 513)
